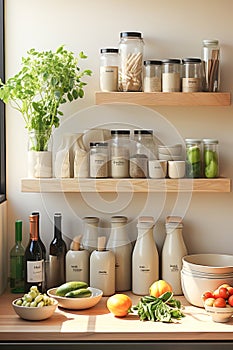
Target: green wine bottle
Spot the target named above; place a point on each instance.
(17, 261)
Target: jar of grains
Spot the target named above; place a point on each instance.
(109, 61)
(120, 153)
(152, 81)
(192, 75)
(99, 159)
(171, 75)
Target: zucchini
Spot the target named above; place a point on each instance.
(70, 286)
(79, 293)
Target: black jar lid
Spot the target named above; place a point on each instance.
(120, 132)
(133, 34)
(98, 144)
(143, 132)
(191, 60)
(171, 60)
(109, 50)
(152, 62)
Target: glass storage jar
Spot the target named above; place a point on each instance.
(109, 62)
(171, 75)
(120, 154)
(211, 65)
(192, 75)
(211, 158)
(131, 61)
(99, 159)
(152, 81)
(193, 165)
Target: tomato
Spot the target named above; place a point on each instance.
(219, 302)
(209, 301)
(216, 293)
(223, 293)
(159, 287)
(230, 290)
(230, 300)
(207, 295)
(119, 304)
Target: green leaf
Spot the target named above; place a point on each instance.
(82, 55)
(70, 97)
(75, 94)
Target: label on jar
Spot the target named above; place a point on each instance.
(191, 84)
(109, 78)
(171, 82)
(98, 165)
(119, 167)
(35, 271)
(152, 84)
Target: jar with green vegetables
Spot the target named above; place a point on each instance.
(193, 158)
(211, 158)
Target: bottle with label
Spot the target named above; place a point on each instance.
(211, 65)
(77, 262)
(145, 258)
(173, 251)
(39, 237)
(90, 233)
(33, 259)
(109, 62)
(17, 261)
(57, 253)
(192, 75)
(120, 153)
(171, 75)
(119, 243)
(102, 268)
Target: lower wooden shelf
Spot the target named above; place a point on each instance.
(125, 185)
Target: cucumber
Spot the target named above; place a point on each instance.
(69, 286)
(79, 293)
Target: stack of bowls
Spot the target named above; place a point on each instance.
(172, 152)
(204, 272)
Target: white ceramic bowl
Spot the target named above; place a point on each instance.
(193, 287)
(77, 303)
(35, 313)
(174, 150)
(209, 263)
(219, 314)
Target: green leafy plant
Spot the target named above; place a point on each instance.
(46, 80)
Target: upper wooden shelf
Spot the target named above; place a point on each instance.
(165, 98)
(125, 185)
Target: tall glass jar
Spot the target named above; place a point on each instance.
(120, 153)
(131, 61)
(193, 158)
(99, 159)
(171, 75)
(109, 62)
(192, 75)
(211, 158)
(152, 81)
(211, 65)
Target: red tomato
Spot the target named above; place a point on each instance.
(207, 295)
(216, 293)
(230, 290)
(219, 302)
(223, 293)
(230, 300)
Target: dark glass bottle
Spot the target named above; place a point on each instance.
(33, 258)
(17, 261)
(39, 238)
(57, 253)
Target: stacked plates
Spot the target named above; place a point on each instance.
(172, 152)
(203, 272)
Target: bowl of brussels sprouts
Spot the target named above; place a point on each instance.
(35, 306)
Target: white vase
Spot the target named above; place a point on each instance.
(39, 164)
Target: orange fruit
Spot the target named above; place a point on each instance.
(119, 304)
(159, 287)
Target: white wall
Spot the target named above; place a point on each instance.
(170, 29)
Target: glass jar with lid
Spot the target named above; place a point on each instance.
(131, 48)
(152, 81)
(193, 164)
(171, 75)
(192, 75)
(98, 159)
(109, 62)
(120, 145)
(211, 158)
(211, 64)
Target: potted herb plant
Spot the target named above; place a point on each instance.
(45, 82)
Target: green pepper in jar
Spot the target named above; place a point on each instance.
(194, 154)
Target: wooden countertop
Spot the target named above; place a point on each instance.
(97, 324)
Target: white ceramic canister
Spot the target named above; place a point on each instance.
(121, 246)
(145, 258)
(90, 233)
(102, 269)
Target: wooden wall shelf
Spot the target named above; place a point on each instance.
(125, 185)
(165, 98)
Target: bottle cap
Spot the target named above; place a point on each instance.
(75, 244)
(145, 221)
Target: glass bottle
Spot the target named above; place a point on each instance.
(211, 65)
(193, 165)
(99, 159)
(171, 75)
(211, 158)
(173, 251)
(33, 259)
(192, 75)
(102, 268)
(131, 48)
(152, 81)
(109, 62)
(120, 153)
(145, 258)
(57, 253)
(90, 233)
(121, 246)
(39, 237)
(17, 261)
